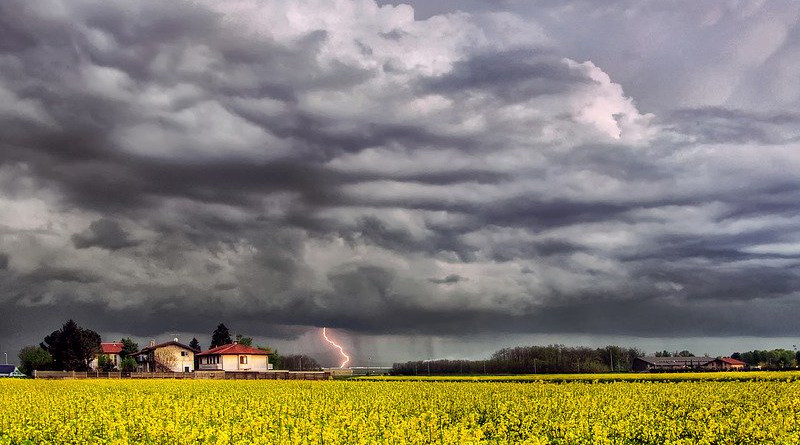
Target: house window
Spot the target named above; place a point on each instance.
(184, 354)
(242, 359)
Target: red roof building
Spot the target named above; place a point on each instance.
(111, 347)
(234, 349)
(111, 350)
(727, 364)
(234, 357)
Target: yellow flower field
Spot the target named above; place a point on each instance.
(363, 412)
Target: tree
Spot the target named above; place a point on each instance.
(221, 336)
(104, 363)
(274, 358)
(34, 358)
(247, 341)
(165, 360)
(128, 364)
(684, 353)
(129, 347)
(194, 344)
(300, 362)
(72, 347)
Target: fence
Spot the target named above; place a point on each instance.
(202, 375)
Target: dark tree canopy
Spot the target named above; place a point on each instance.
(194, 344)
(531, 359)
(299, 362)
(221, 336)
(72, 347)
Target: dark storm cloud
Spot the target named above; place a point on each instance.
(450, 279)
(103, 233)
(282, 165)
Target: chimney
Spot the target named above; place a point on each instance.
(152, 343)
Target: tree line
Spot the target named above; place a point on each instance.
(531, 359)
(773, 359)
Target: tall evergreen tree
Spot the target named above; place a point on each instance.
(194, 344)
(221, 336)
(128, 347)
(72, 347)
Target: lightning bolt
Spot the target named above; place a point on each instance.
(341, 350)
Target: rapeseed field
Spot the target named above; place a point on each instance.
(389, 412)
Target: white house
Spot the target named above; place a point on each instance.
(234, 357)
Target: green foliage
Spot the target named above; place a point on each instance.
(129, 347)
(128, 364)
(194, 344)
(221, 336)
(274, 358)
(72, 347)
(242, 340)
(34, 358)
(104, 363)
(774, 359)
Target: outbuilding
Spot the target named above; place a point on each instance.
(10, 371)
(670, 363)
(727, 364)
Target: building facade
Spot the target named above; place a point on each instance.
(112, 350)
(170, 356)
(234, 357)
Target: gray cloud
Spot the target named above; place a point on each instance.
(486, 171)
(103, 233)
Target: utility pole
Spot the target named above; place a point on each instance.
(611, 357)
(534, 366)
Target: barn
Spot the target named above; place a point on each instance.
(641, 364)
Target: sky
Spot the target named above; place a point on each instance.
(427, 180)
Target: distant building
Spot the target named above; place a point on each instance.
(234, 357)
(112, 350)
(170, 356)
(10, 371)
(727, 364)
(670, 363)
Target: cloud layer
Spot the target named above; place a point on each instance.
(339, 163)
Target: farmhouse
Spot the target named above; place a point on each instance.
(670, 363)
(10, 371)
(727, 364)
(112, 350)
(170, 356)
(234, 357)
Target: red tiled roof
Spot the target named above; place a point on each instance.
(234, 349)
(733, 361)
(111, 347)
